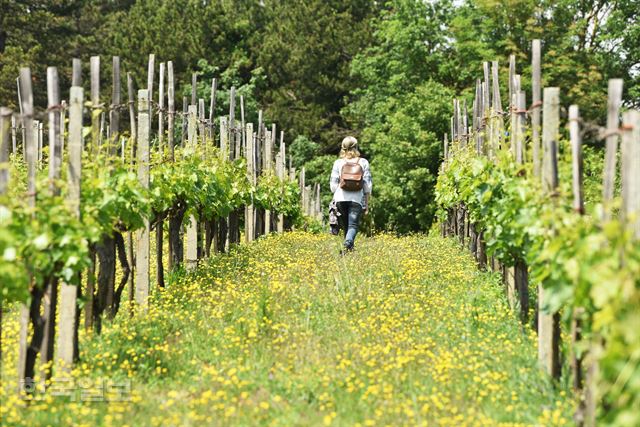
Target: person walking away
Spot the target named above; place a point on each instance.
(351, 185)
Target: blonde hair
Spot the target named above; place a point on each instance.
(349, 148)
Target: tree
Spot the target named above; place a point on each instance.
(305, 52)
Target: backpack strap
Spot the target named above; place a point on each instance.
(357, 162)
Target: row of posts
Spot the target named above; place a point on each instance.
(487, 133)
(236, 139)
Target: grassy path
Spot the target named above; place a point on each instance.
(285, 332)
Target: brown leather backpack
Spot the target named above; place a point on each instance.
(351, 176)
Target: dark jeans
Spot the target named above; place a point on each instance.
(350, 213)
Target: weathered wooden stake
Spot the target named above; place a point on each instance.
(132, 156)
(192, 228)
(55, 162)
(143, 235)
(114, 112)
(611, 150)
(6, 132)
(185, 112)
(536, 85)
(14, 137)
(549, 323)
(631, 170)
(249, 223)
(497, 124)
(76, 73)
(132, 115)
(161, 112)
(194, 88)
(578, 206)
(172, 111)
(212, 109)
(281, 175)
(95, 103)
(521, 127)
(68, 292)
(202, 125)
(25, 378)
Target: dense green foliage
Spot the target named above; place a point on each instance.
(54, 243)
(589, 268)
(384, 71)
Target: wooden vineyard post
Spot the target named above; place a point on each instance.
(211, 224)
(281, 176)
(224, 137)
(192, 228)
(55, 162)
(40, 132)
(578, 206)
(576, 159)
(486, 90)
(536, 85)
(172, 111)
(630, 168)
(318, 203)
(143, 238)
(194, 88)
(611, 148)
(234, 135)
(25, 373)
(14, 136)
(161, 119)
(160, 222)
(6, 132)
(22, 127)
(249, 223)
(202, 125)
(498, 124)
(185, 106)
(268, 166)
(151, 67)
(549, 323)
(95, 102)
(222, 235)
(212, 109)
(171, 114)
(114, 113)
(63, 118)
(6, 116)
(513, 131)
(521, 127)
(68, 292)
(132, 154)
(132, 114)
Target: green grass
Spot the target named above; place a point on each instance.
(405, 331)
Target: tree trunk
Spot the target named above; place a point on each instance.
(473, 239)
(91, 290)
(482, 252)
(234, 228)
(48, 339)
(209, 232)
(460, 223)
(126, 271)
(37, 323)
(76, 341)
(522, 286)
(159, 252)
(222, 230)
(175, 240)
(106, 251)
